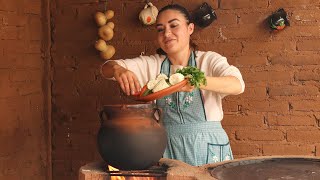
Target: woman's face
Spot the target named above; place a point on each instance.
(173, 31)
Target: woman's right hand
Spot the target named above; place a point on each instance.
(187, 88)
(127, 79)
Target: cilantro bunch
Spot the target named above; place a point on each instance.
(195, 76)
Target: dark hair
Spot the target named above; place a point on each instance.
(185, 13)
(179, 8)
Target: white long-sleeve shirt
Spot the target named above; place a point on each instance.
(211, 63)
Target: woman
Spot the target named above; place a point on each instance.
(192, 116)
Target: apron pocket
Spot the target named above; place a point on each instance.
(218, 153)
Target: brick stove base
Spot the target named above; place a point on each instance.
(98, 171)
(263, 167)
(92, 171)
(177, 171)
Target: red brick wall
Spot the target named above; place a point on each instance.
(279, 112)
(277, 115)
(24, 129)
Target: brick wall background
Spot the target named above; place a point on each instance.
(24, 108)
(277, 115)
(50, 70)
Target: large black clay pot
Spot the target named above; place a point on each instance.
(130, 137)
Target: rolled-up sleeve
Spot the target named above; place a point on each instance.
(235, 72)
(144, 67)
(219, 67)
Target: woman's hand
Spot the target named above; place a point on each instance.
(127, 79)
(187, 88)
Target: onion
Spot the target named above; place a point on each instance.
(101, 45)
(109, 14)
(100, 19)
(152, 83)
(176, 78)
(161, 76)
(108, 53)
(106, 33)
(162, 84)
(110, 24)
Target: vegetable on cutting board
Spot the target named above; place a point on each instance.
(193, 74)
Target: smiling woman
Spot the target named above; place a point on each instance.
(174, 33)
(171, 27)
(192, 116)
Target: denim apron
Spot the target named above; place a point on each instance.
(191, 137)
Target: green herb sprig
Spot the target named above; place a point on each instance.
(195, 76)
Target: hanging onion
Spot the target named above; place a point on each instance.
(106, 33)
(100, 19)
(108, 53)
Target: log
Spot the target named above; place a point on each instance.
(178, 170)
(93, 171)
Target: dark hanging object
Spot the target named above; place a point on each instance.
(204, 15)
(278, 20)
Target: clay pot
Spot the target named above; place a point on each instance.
(130, 136)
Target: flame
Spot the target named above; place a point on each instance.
(111, 168)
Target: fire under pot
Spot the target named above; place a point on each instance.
(100, 171)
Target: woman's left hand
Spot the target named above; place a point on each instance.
(187, 88)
